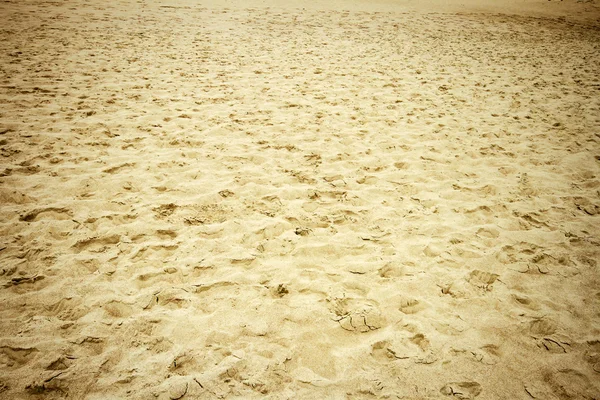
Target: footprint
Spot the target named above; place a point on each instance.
(525, 301)
(165, 210)
(56, 213)
(161, 252)
(14, 197)
(166, 233)
(568, 384)
(181, 361)
(411, 306)
(94, 345)
(61, 363)
(482, 279)
(489, 233)
(15, 357)
(118, 309)
(177, 387)
(23, 280)
(118, 168)
(433, 250)
(207, 214)
(592, 355)
(357, 315)
(404, 346)
(363, 319)
(542, 327)
(173, 298)
(50, 381)
(490, 354)
(531, 219)
(367, 180)
(67, 309)
(421, 341)
(96, 242)
(520, 252)
(585, 205)
(268, 232)
(391, 270)
(462, 390)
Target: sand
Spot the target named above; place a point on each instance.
(312, 200)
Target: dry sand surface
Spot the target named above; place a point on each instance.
(366, 200)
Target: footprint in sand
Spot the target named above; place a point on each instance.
(525, 301)
(97, 244)
(409, 344)
(585, 205)
(165, 210)
(462, 390)
(592, 355)
(487, 232)
(482, 279)
(61, 363)
(66, 309)
(50, 381)
(177, 387)
(15, 357)
(391, 270)
(542, 327)
(206, 214)
(55, 212)
(567, 383)
(489, 354)
(357, 315)
(172, 298)
(118, 309)
(411, 306)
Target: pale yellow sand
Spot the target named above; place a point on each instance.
(307, 201)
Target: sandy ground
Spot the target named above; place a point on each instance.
(302, 201)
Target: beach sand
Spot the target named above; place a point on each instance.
(299, 200)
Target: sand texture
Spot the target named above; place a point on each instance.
(200, 201)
